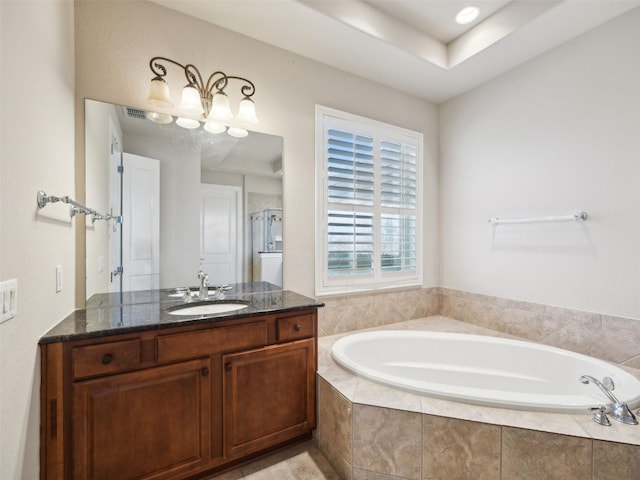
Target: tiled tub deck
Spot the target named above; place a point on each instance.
(372, 432)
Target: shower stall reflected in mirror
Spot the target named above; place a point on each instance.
(266, 248)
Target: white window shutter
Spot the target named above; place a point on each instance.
(369, 204)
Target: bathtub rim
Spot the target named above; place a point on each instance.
(474, 395)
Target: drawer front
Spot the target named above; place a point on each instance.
(208, 342)
(105, 358)
(294, 327)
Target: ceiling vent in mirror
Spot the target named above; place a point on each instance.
(135, 113)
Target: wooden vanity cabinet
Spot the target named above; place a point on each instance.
(269, 396)
(152, 423)
(179, 402)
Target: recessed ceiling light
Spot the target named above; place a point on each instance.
(467, 15)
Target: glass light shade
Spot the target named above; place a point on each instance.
(161, 118)
(214, 127)
(191, 104)
(159, 95)
(187, 122)
(247, 111)
(237, 132)
(220, 109)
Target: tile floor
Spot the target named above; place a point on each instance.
(299, 462)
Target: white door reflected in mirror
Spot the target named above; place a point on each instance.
(141, 231)
(221, 233)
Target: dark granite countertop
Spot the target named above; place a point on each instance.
(172, 294)
(112, 314)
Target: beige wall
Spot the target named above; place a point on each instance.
(116, 40)
(36, 153)
(558, 134)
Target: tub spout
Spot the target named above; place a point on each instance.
(622, 413)
(619, 410)
(606, 390)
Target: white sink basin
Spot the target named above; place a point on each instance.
(210, 308)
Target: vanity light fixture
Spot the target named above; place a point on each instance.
(467, 15)
(200, 101)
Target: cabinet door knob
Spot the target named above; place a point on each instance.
(297, 328)
(205, 371)
(227, 367)
(107, 358)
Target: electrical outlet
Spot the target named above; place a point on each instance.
(9, 300)
(58, 278)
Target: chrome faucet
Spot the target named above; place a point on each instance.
(203, 294)
(618, 410)
(218, 291)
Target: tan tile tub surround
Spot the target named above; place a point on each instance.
(610, 338)
(615, 339)
(370, 431)
(344, 313)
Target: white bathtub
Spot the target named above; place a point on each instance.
(482, 370)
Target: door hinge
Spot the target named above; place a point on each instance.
(117, 272)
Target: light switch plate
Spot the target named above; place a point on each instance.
(58, 278)
(9, 297)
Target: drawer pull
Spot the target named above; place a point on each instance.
(106, 359)
(298, 327)
(205, 372)
(227, 367)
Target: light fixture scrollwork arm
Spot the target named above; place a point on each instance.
(247, 90)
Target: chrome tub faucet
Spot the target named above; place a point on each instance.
(618, 410)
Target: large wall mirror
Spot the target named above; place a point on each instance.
(178, 201)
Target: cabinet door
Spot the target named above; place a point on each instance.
(153, 423)
(269, 396)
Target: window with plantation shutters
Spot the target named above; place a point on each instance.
(369, 204)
